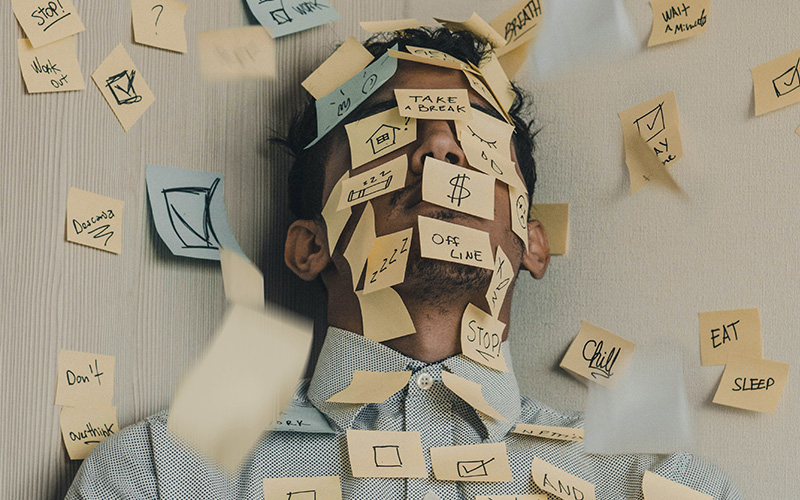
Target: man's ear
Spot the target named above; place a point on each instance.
(537, 257)
(306, 252)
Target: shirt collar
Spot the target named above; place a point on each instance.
(344, 352)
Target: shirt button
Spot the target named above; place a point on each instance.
(424, 381)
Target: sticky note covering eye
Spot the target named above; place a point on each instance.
(385, 454)
(486, 462)
(384, 315)
(376, 181)
(371, 387)
(752, 383)
(51, 68)
(486, 142)
(458, 188)
(678, 20)
(302, 488)
(84, 379)
(94, 220)
(557, 482)
(726, 332)
(434, 104)
(598, 355)
(284, 17)
(46, 22)
(236, 53)
(655, 487)
(481, 338)
(776, 83)
(345, 62)
(85, 427)
(501, 279)
(453, 243)
(159, 23)
(387, 260)
(378, 135)
(555, 219)
(123, 87)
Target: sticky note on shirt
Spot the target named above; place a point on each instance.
(434, 104)
(94, 220)
(50, 68)
(676, 20)
(384, 315)
(454, 243)
(46, 22)
(84, 428)
(485, 462)
(376, 181)
(360, 243)
(285, 17)
(481, 338)
(550, 432)
(752, 383)
(243, 281)
(378, 135)
(84, 379)
(555, 219)
(511, 497)
(236, 54)
(387, 260)
(776, 83)
(123, 87)
(371, 387)
(501, 278)
(306, 419)
(726, 332)
(655, 487)
(335, 219)
(472, 393)
(385, 454)
(458, 188)
(560, 483)
(302, 488)
(159, 23)
(345, 62)
(598, 355)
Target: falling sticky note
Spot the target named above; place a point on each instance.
(478, 27)
(159, 23)
(284, 17)
(598, 355)
(302, 488)
(387, 259)
(485, 462)
(360, 243)
(94, 220)
(371, 387)
(434, 104)
(188, 210)
(345, 62)
(84, 379)
(384, 315)
(50, 68)
(378, 135)
(123, 87)
(454, 243)
(385, 454)
(726, 332)
(85, 427)
(392, 25)
(472, 393)
(501, 278)
(481, 338)
(518, 25)
(374, 182)
(555, 219)
(519, 208)
(655, 487)
(560, 483)
(335, 219)
(242, 382)
(46, 22)
(752, 383)
(458, 188)
(775, 83)
(675, 20)
(236, 53)
(550, 432)
(243, 281)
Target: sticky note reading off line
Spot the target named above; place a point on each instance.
(236, 54)
(159, 23)
(752, 383)
(94, 220)
(485, 462)
(302, 488)
(51, 68)
(84, 379)
(560, 483)
(454, 243)
(655, 487)
(85, 427)
(434, 104)
(726, 332)
(678, 20)
(46, 22)
(481, 338)
(385, 454)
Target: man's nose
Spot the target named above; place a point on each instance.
(436, 138)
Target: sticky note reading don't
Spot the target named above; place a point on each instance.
(94, 220)
(159, 23)
(434, 104)
(726, 332)
(752, 383)
(123, 87)
(84, 379)
(51, 68)
(85, 427)
(302, 488)
(454, 243)
(47, 21)
(676, 20)
(485, 462)
(385, 454)
(598, 355)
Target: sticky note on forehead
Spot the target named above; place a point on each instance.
(47, 21)
(454, 243)
(345, 62)
(726, 332)
(752, 383)
(378, 135)
(458, 188)
(434, 104)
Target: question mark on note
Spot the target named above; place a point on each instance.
(159, 14)
(406, 123)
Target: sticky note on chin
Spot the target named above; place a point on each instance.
(449, 242)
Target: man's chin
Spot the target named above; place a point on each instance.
(438, 282)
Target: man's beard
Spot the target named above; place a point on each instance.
(439, 282)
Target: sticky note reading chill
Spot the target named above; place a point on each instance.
(371, 387)
(434, 104)
(598, 355)
(481, 338)
(51, 68)
(555, 219)
(94, 220)
(360, 243)
(285, 17)
(485, 462)
(335, 219)
(562, 484)
(345, 62)
(236, 53)
(123, 87)
(519, 24)
(387, 259)
(453, 243)
(550, 432)
(501, 278)
(776, 83)
(675, 20)
(726, 332)
(84, 379)
(472, 393)
(752, 383)
(655, 487)
(85, 427)
(378, 135)
(47, 21)
(376, 181)
(384, 315)
(159, 23)
(302, 488)
(458, 188)
(385, 454)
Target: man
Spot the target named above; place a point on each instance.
(145, 461)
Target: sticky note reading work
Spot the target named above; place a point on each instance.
(387, 259)
(384, 315)
(385, 454)
(550, 432)
(346, 61)
(481, 338)
(236, 53)
(378, 135)
(453, 243)
(598, 355)
(655, 487)
(85, 427)
(47, 21)
(434, 104)
(557, 482)
(302, 488)
(485, 462)
(501, 278)
(726, 332)
(458, 188)
(371, 387)
(159, 23)
(776, 83)
(752, 383)
(675, 20)
(123, 87)
(94, 220)
(284, 17)
(555, 219)
(51, 68)
(84, 379)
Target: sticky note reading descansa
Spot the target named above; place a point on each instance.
(302, 488)
(123, 87)
(345, 62)
(481, 338)
(678, 20)
(387, 259)
(46, 22)
(726, 332)
(555, 219)
(655, 487)
(562, 484)
(434, 104)
(236, 53)
(378, 135)
(51, 68)
(385, 454)
(752, 383)
(371, 387)
(384, 315)
(550, 432)
(458, 188)
(598, 355)
(501, 278)
(453, 243)
(485, 462)
(159, 23)
(94, 220)
(775, 83)
(85, 427)
(84, 379)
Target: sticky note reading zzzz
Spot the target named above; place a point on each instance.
(302, 488)
(378, 135)
(675, 20)
(47, 21)
(555, 219)
(236, 53)
(285, 17)
(598, 355)
(458, 188)
(434, 104)
(550, 432)
(51, 68)
(384, 315)
(123, 87)
(159, 23)
(385, 454)
(85, 427)
(501, 278)
(726, 332)
(560, 483)
(94, 220)
(776, 83)
(371, 387)
(485, 462)
(84, 379)
(481, 338)
(387, 259)
(752, 383)
(453, 243)
(655, 487)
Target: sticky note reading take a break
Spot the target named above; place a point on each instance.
(46, 22)
(675, 20)
(84, 379)
(555, 219)
(387, 259)
(562, 484)
(752, 383)
(776, 83)
(360, 243)
(378, 135)
(453, 243)
(159, 23)
(302, 488)
(345, 62)
(384, 315)
(598, 355)
(236, 54)
(94, 220)
(481, 338)
(501, 278)
(335, 219)
(472, 393)
(385, 454)
(371, 387)
(51, 68)
(726, 332)
(290, 16)
(243, 281)
(374, 182)
(85, 427)
(123, 87)
(655, 487)
(434, 104)
(550, 432)
(485, 462)
(458, 188)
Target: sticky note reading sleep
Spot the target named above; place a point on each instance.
(290, 16)
(726, 332)
(123, 87)
(371, 387)
(378, 135)
(434, 104)
(501, 278)
(360, 243)
(159, 23)
(655, 487)
(376, 181)
(385, 454)
(46, 22)
(472, 393)
(387, 259)
(345, 62)
(560, 483)
(550, 432)
(384, 315)
(485, 462)
(555, 219)
(775, 83)
(94, 220)
(236, 54)
(84, 379)
(51, 68)
(302, 488)
(453, 243)
(458, 188)
(335, 219)
(243, 281)
(598, 355)
(481, 337)
(752, 383)
(85, 427)
(676, 20)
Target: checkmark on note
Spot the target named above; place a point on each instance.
(788, 81)
(473, 468)
(652, 123)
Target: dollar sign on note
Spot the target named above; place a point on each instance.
(459, 191)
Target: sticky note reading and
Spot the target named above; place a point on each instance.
(345, 62)
(598, 355)
(485, 462)
(481, 338)
(501, 278)
(243, 281)
(655, 487)
(384, 315)
(84, 379)
(453, 243)
(360, 243)
(290, 16)
(752, 383)
(371, 387)
(46, 22)
(675, 20)
(51, 68)
(84, 428)
(94, 220)
(555, 219)
(387, 259)
(378, 135)
(775, 83)
(726, 332)
(123, 87)
(159, 23)
(385, 454)
(236, 53)
(472, 393)
(335, 219)
(458, 188)
(562, 484)
(434, 104)
(302, 488)
(550, 432)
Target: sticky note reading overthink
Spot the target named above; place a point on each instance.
(678, 20)
(454, 243)
(159, 23)
(85, 427)
(51, 68)
(598, 355)
(726, 332)
(385, 454)
(302, 488)
(458, 188)
(94, 220)
(84, 379)
(485, 462)
(752, 383)
(776, 83)
(481, 338)
(123, 87)
(46, 22)
(434, 104)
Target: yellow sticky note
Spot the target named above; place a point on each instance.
(752, 383)
(520, 206)
(562, 484)
(393, 25)
(550, 432)
(472, 393)
(434, 54)
(598, 355)
(345, 62)
(378, 135)
(371, 387)
(123, 87)
(458, 188)
(422, 59)
(726, 332)
(46, 22)
(360, 243)
(374, 182)
(775, 83)
(50, 68)
(511, 497)
(94, 220)
(519, 24)
(655, 487)
(434, 104)
(486, 142)
(236, 54)
(243, 281)
(485, 462)
(335, 219)
(512, 60)
(797, 131)
(385, 454)
(555, 219)
(675, 20)
(501, 278)
(481, 336)
(302, 488)
(384, 315)
(453, 243)
(159, 23)
(498, 81)
(84, 379)
(85, 427)
(478, 27)
(479, 86)
(387, 259)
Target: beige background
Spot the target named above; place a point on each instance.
(641, 266)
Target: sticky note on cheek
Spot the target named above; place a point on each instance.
(454, 243)
(85, 427)
(51, 68)
(387, 260)
(729, 332)
(378, 135)
(458, 188)
(376, 181)
(434, 104)
(47, 21)
(84, 379)
(752, 383)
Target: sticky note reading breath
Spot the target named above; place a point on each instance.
(85, 427)
(453, 243)
(345, 62)
(434, 104)
(481, 338)
(598, 355)
(94, 220)
(501, 278)
(678, 20)
(378, 135)
(457, 188)
(84, 379)
(752, 383)
(46, 22)
(236, 53)
(385, 454)
(387, 259)
(555, 219)
(371, 387)
(302, 488)
(776, 83)
(655, 487)
(562, 484)
(360, 243)
(159, 23)
(485, 462)
(384, 315)
(51, 68)
(123, 87)
(290, 16)
(726, 332)
(550, 432)
(472, 393)
(520, 24)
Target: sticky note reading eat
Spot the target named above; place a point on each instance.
(384, 315)
(360, 243)
(385, 454)
(387, 259)
(560, 483)
(752, 383)
(434, 104)
(472, 393)
(481, 337)
(302, 488)
(345, 62)
(775, 83)
(85, 427)
(485, 462)
(550, 432)
(51, 68)
(655, 487)
(236, 53)
(371, 387)
(501, 278)
(378, 135)
(290, 16)
(453, 243)
(47, 21)
(458, 188)
(159, 23)
(123, 87)
(376, 181)
(726, 332)
(598, 355)
(555, 219)
(675, 20)
(84, 379)
(94, 220)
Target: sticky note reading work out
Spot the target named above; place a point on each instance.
(51, 68)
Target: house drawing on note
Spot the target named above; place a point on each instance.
(383, 138)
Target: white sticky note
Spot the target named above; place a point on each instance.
(371, 387)
(560, 483)
(378, 135)
(335, 219)
(655, 487)
(345, 62)
(550, 432)
(434, 104)
(384, 315)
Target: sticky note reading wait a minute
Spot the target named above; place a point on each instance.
(776, 83)
(434, 104)
(94, 220)
(51, 68)
(598, 355)
(46, 22)
(485, 462)
(675, 20)
(123, 87)
(85, 427)
(159, 23)
(454, 243)
(655, 487)
(752, 383)
(302, 488)
(84, 379)
(726, 332)
(385, 454)
(560, 483)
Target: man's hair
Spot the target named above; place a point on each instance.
(307, 175)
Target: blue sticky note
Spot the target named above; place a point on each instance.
(189, 211)
(284, 17)
(334, 107)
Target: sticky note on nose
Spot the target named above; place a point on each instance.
(458, 188)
